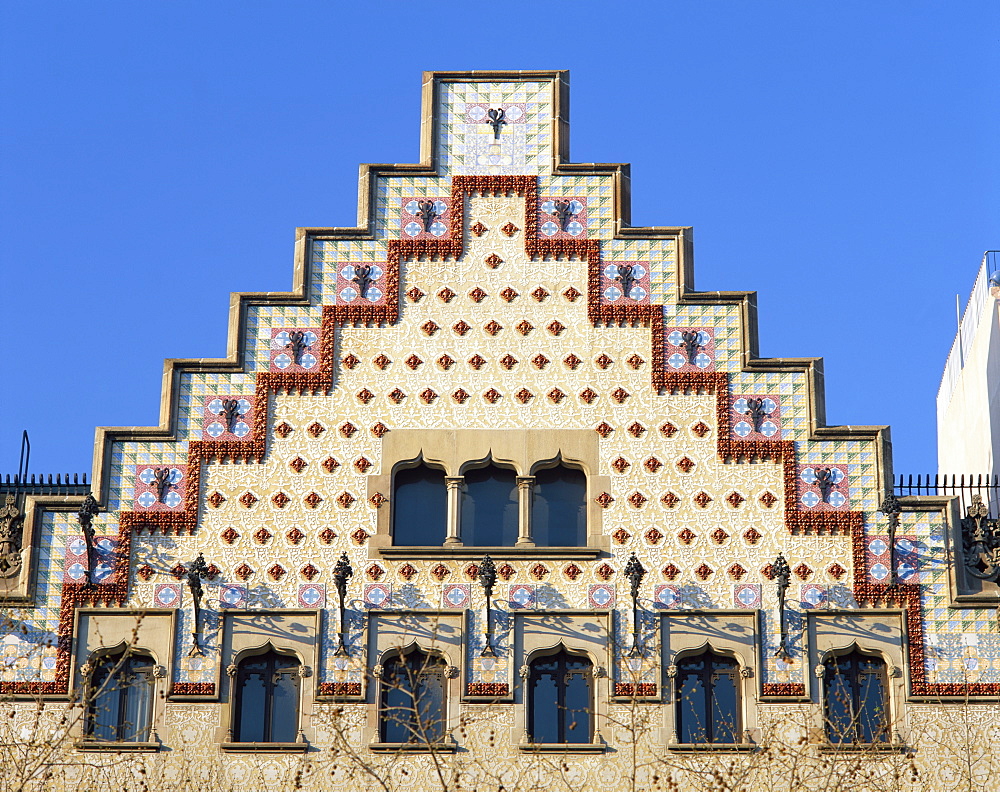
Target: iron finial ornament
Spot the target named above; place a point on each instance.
(297, 344)
(342, 573)
(626, 277)
(891, 509)
(497, 118)
(634, 573)
(487, 579)
(427, 213)
(230, 412)
(563, 211)
(363, 276)
(755, 409)
(196, 571)
(691, 344)
(88, 510)
(783, 579)
(161, 483)
(825, 482)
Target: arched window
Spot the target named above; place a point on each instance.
(419, 506)
(412, 699)
(708, 699)
(121, 704)
(855, 693)
(489, 507)
(561, 699)
(267, 699)
(559, 507)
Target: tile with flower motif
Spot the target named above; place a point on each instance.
(294, 349)
(812, 596)
(105, 558)
(625, 283)
(562, 218)
(755, 416)
(666, 596)
(877, 558)
(377, 595)
(231, 596)
(601, 595)
(521, 595)
(160, 488)
(167, 595)
(689, 348)
(747, 596)
(425, 217)
(823, 487)
(908, 553)
(361, 283)
(312, 595)
(227, 417)
(456, 595)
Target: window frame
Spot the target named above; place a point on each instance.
(563, 655)
(239, 675)
(855, 681)
(431, 659)
(120, 660)
(708, 675)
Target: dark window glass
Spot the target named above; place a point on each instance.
(560, 704)
(855, 694)
(708, 699)
(267, 699)
(419, 506)
(412, 699)
(558, 508)
(122, 690)
(489, 507)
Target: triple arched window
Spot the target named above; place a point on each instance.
(855, 698)
(561, 699)
(412, 698)
(708, 699)
(491, 506)
(266, 699)
(120, 698)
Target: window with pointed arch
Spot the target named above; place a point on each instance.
(559, 507)
(490, 510)
(419, 506)
(708, 699)
(855, 698)
(266, 699)
(412, 698)
(121, 698)
(561, 698)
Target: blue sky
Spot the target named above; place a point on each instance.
(839, 158)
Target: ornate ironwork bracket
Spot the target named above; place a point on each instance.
(783, 578)
(635, 572)
(342, 572)
(825, 482)
(755, 409)
(85, 517)
(363, 275)
(891, 509)
(488, 579)
(196, 571)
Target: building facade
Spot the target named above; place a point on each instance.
(494, 499)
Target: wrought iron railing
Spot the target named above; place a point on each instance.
(948, 484)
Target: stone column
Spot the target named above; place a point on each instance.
(453, 532)
(524, 485)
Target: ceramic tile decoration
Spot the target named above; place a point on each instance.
(493, 303)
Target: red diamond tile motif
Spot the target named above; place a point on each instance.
(347, 429)
(374, 572)
(653, 536)
(572, 571)
(216, 499)
(493, 261)
(378, 499)
(396, 396)
(330, 464)
(588, 396)
(556, 395)
(736, 572)
(539, 361)
(555, 327)
(230, 535)
(752, 535)
(429, 327)
(524, 327)
(506, 571)
(509, 295)
(836, 571)
(478, 229)
(703, 571)
(145, 572)
(477, 362)
(508, 362)
(345, 499)
(701, 429)
(572, 361)
(280, 499)
(621, 464)
(360, 536)
(298, 464)
(635, 362)
(427, 396)
(524, 395)
(603, 429)
(637, 499)
(734, 499)
(350, 361)
(243, 572)
(768, 499)
(571, 294)
(668, 430)
(326, 536)
(477, 295)
(509, 229)
(295, 536)
(621, 536)
(248, 499)
(315, 429)
(605, 500)
(685, 465)
(802, 571)
(686, 536)
(446, 295)
(652, 464)
(309, 572)
(440, 572)
(603, 362)
(380, 429)
(539, 294)
(414, 294)
(312, 500)
(719, 536)
(492, 396)
(538, 571)
(276, 572)
(604, 572)
(262, 535)
(460, 396)
(636, 429)
(412, 362)
(446, 362)
(619, 395)
(282, 430)
(364, 395)
(407, 571)
(493, 327)
(767, 571)
(362, 465)
(670, 572)
(381, 362)
(461, 327)
(670, 500)
(703, 499)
